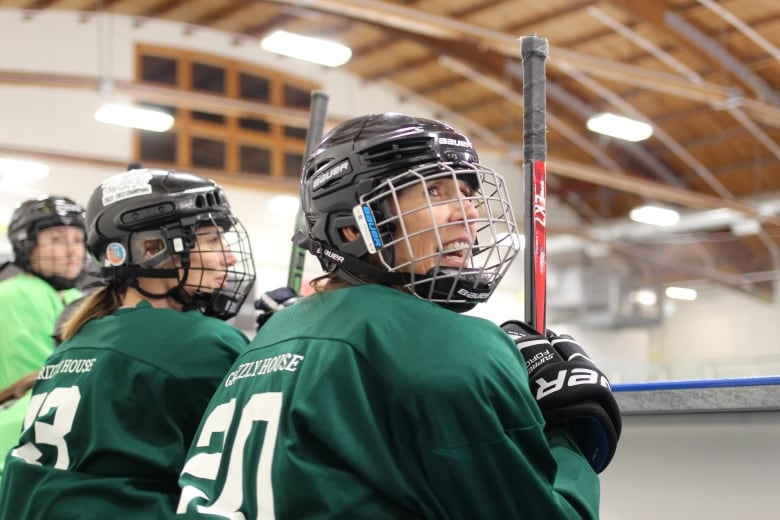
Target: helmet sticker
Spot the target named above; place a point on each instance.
(66, 208)
(366, 223)
(126, 185)
(115, 254)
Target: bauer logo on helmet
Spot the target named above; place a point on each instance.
(331, 173)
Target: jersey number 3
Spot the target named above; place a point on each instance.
(265, 407)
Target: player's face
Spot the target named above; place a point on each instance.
(209, 260)
(60, 251)
(440, 225)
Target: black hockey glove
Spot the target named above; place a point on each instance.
(271, 301)
(570, 390)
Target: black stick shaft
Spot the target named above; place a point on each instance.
(534, 52)
(317, 111)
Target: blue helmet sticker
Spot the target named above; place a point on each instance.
(367, 225)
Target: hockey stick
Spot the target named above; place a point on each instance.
(534, 51)
(317, 110)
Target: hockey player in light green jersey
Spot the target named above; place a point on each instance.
(374, 397)
(47, 236)
(114, 409)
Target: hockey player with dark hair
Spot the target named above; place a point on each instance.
(115, 407)
(375, 397)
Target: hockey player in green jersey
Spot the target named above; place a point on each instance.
(47, 237)
(114, 409)
(374, 397)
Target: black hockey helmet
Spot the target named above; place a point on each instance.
(347, 182)
(133, 207)
(31, 216)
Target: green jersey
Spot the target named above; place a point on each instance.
(29, 308)
(113, 413)
(367, 402)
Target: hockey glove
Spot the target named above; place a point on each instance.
(272, 301)
(570, 390)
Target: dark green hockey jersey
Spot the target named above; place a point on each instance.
(369, 403)
(112, 415)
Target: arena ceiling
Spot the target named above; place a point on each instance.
(702, 72)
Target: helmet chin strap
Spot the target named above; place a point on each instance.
(176, 293)
(133, 273)
(430, 285)
(345, 266)
(426, 286)
(349, 269)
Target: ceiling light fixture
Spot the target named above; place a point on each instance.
(306, 48)
(644, 297)
(22, 170)
(745, 227)
(134, 117)
(115, 113)
(681, 293)
(619, 127)
(654, 215)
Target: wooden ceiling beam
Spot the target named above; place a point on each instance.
(653, 190)
(213, 17)
(164, 95)
(413, 21)
(297, 117)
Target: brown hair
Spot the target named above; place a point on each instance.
(328, 282)
(331, 282)
(100, 303)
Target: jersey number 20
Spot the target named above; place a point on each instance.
(265, 407)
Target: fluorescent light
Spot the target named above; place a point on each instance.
(22, 170)
(619, 127)
(646, 297)
(745, 227)
(306, 48)
(134, 117)
(654, 215)
(681, 293)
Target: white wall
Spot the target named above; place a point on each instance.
(716, 330)
(713, 466)
(695, 341)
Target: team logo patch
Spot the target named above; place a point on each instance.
(115, 254)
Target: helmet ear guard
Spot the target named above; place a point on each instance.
(149, 248)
